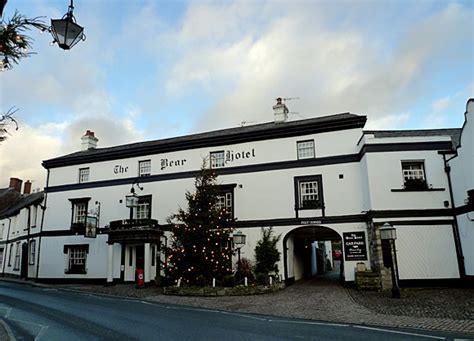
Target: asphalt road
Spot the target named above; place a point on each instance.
(37, 313)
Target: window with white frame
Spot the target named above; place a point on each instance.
(76, 257)
(79, 207)
(308, 192)
(80, 212)
(2, 228)
(414, 174)
(10, 255)
(217, 159)
(33, 215)
(224, 202)
(144, 168)
(32, 252)
(305, 149)
(16, 266)
(143, 210)
(1, 258)
(83, 175)
(309, 195)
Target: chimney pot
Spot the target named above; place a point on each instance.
(280, 111)
(27, 187)
(15, 183)
(89, 141)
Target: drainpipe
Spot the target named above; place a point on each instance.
(41, 227)
(457, 239)
(8, 235)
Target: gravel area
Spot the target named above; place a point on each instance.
(452, 303)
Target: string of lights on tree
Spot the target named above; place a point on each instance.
(14, 43)
(201, 244)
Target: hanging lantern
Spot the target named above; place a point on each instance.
(65, 31)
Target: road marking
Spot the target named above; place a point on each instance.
(8, 311)
(314, 323)
(145, 302)
(403, 333)
(39, 335)
(245, 316)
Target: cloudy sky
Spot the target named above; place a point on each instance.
(155, 69)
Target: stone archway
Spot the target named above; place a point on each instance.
(302, 251)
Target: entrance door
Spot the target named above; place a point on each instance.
(24, 261)
(134, 259)
(130, 260)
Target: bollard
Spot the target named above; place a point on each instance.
(245, 281)
(271, 279)
(179, 283)
(213, 282)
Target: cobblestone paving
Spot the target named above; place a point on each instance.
(451, 303)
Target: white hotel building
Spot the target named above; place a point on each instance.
(316, 179)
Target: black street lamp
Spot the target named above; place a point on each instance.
(239, 242)
(388, 232)
(65, 31)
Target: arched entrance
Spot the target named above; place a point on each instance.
(308, 251)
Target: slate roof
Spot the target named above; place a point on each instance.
(214, 138)
(8, 197)
(454, 133)
(21, 202)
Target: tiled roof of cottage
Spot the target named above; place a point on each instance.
(14, 203)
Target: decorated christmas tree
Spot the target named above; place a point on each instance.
(200, 248)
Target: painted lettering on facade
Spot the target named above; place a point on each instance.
(231, 156)
(118, 169)
(165, 163)
(310, 222)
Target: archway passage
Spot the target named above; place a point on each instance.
(312, 251)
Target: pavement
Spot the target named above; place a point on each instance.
(323, 299)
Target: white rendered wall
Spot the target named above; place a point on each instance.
(462, 172)
(426, 252)
(326, 144)
(385, 174)
(53, 262)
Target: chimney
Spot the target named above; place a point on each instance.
(281, 111)
(27, 187)
(15, 183)
(89, 141)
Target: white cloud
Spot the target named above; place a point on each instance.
(297, 53)
(23, 151)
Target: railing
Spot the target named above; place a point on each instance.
(133, 224)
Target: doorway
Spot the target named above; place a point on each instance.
(134, 259)
(312, 252)
(24, 261)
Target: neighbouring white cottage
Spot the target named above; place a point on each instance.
(316, 179)
(20, 221)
